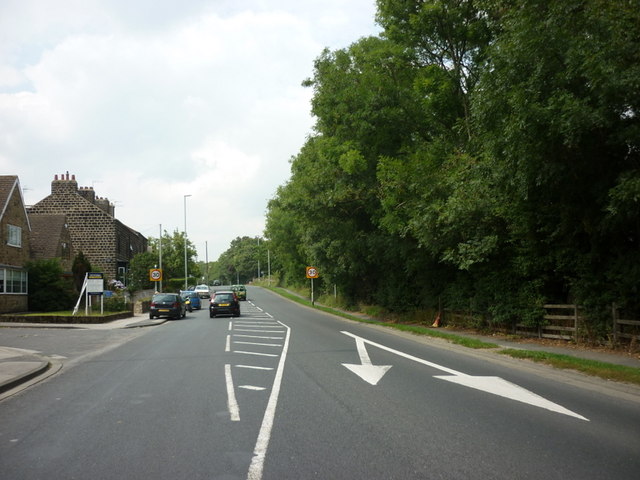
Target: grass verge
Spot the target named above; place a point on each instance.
(459, 340)
(608, 371)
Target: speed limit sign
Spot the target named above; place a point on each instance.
(155, 275)
(312, 272)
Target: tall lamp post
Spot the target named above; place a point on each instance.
(185, 241)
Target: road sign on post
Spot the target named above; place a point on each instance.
(155, 275)
(312, 272)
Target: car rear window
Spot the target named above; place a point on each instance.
(224, 297)
(164, 298)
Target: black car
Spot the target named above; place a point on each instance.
(170, 305)
(224, 302)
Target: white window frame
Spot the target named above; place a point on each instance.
(13, 281)
(14, 236)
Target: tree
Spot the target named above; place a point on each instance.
(79, 268)
(557, 108)
(49, 290)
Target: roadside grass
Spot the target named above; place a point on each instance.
(459, 340)
(608, 371)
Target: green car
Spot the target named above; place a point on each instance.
(240, 290)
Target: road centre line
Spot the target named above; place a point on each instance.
(227, 347)
(232, 403)
(260, 450)
(260, 344)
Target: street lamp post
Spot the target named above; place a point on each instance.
(258, 258)
(185, 241)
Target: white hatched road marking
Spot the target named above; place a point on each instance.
(260, 344)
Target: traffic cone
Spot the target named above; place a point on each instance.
(436, 323)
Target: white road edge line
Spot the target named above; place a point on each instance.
(232, 403)
(260, 450)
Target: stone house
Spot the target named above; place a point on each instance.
(15, 246)
(51, 238)
(93, 229)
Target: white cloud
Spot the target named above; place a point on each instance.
(152, 100)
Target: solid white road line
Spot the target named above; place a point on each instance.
(232, 403)
(260, 451)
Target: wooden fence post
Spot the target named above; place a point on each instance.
(614, 314)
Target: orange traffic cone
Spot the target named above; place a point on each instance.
(436, 323)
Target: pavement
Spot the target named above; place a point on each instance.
(18, 366)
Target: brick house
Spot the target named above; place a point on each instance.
(15, 246)
(105, 241)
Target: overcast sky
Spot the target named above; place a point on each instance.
(151, 100)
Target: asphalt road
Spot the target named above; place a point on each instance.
(285, 392)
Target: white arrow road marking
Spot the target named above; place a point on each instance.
(495, 385)
(504, 388)
(367, 371)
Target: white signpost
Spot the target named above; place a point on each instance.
(93, 285)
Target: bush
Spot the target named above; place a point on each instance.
(49, 290)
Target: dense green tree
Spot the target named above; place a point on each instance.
(138, 276)
(482, 153)
(49, 290)
(172, 263)
(81, 265)
(558, 111)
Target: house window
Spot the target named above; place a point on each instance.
(14, 236)
(13, 281)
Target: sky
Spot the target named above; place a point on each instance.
(147, 101)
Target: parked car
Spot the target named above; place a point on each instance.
(170, 305)
(224, 302)
(240, 290)
(192, 300)
(203, 291)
